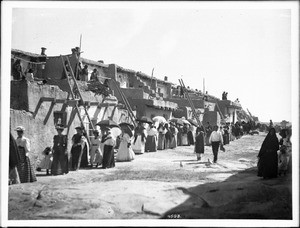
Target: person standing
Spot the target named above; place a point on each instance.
(17, 70)
(125, 152)
(84, 160)
(25, 167)
(60, 154)
(216, 139)
(96, 154)
(29, 75)
(179, 135)
(14, 160)
(138, 145)
(184, 136)
(77, 149)
(173, 131)
(190, 135)
(109, 143)
(161, 136)
(199, 142)
(46, 162)
(268, 157)
(84, 73)
(151, 140)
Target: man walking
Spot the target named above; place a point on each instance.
(215, 139)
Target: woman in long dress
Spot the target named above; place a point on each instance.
(190, 135)
(151, 140)
(184, 137)
(109, 143)
(77, 149)
(140, 134)
(161, 137)
(179, 135)
(125, 152)
(84, 162)
(60, 153)
(199, 142)
(173, 131)
(96, 154)
(168, 136)
(25, 166)
(268, 157)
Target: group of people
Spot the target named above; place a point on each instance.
(274, 157)
(19, 73)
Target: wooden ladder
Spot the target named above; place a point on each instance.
(191, 103)
(73, 95)
(127, 105)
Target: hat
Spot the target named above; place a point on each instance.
(58, 127)
(20, 128)
(80, 128)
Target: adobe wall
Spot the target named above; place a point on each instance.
(184, 102)
(40, 128)
(213, 117)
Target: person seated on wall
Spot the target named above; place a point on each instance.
(94, 75)
(29, 75)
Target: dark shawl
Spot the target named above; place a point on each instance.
(14, 156)
(270, 143)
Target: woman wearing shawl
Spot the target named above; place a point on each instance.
(109, 143)
(199, 142)
(125, 152)
(161, 136)
(151, 140)
(78, 150)
(173, 131)
(25, 167)
(268, 158)
(60, 153)
(168, 136)
(179, 135)
(139, 139)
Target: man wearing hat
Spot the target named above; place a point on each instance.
(60, 153)
(25, 167)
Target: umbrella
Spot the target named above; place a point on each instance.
(125, 124)
(159, 119)
(108, 123)
(193, 122)
(145, 119)
(183, 121)
(176, 121)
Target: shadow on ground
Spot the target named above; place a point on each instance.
(241, 196)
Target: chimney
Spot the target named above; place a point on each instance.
(43, 51)
(166, 78)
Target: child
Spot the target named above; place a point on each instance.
(284, 156)
(47, 160)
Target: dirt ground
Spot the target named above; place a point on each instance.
(155, 185)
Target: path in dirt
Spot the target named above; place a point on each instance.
(154, 185)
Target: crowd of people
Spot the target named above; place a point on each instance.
(105, 149)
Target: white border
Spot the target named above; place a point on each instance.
(6, 14)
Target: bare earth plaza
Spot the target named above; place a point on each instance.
(104, 141)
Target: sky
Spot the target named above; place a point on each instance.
(242, 49)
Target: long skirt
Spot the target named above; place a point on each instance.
(150, 145)
(173, 142)
(76, 155)
(161, 141)
(125, 153)
(60, 163)
(226, 139)
(96, 156)
(46, 162)
(138, 146)
(190, 138)
(179, 139)
(84, 158)
(25, 168)
(108, 157)
(14, 175)
(268, 164)
(184, 140)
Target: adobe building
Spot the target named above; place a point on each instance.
(40, 105)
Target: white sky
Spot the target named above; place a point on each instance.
(244, 49)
